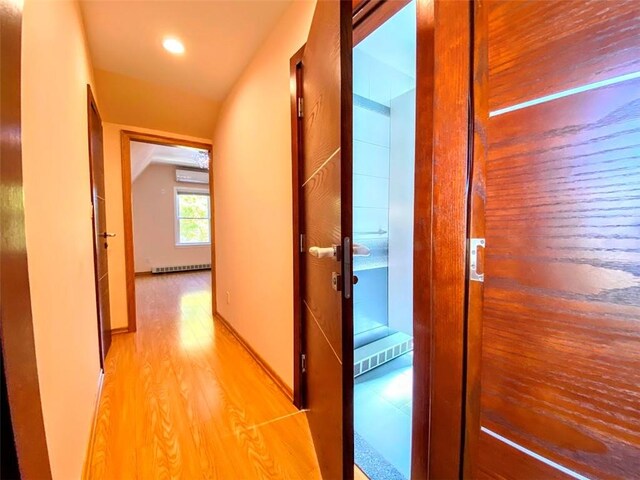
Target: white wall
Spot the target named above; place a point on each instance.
(154, 221)
(252, 171)
(57, 197)
(401, 196)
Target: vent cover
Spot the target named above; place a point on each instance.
(381, 356)
(182, 268)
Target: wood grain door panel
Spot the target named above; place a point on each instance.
(324, 230)
(573, 43)
(560, 357)
(325, 217)
(561, 332)
(101, 243)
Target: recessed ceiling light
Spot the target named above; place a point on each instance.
(173, 45)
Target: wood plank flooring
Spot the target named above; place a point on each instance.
(183, 399)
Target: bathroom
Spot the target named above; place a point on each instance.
(384, 84)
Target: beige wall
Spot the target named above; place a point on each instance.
(154, 212)
(252, 171)
(55, 71)
(115, 220)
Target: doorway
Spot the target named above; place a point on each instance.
(384, 82)
(168, 209)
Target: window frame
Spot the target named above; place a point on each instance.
(176, 214)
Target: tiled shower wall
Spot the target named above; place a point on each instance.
(375, 85)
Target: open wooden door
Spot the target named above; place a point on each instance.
(100, 234)
(554, 330)
(325, 180)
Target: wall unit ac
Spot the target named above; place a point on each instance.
(192, 176)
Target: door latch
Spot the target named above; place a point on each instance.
(335, 281)
(474, 244)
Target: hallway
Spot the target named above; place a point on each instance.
(183, 399)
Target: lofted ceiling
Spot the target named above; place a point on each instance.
(145, 154)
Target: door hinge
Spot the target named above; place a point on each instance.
(302, 242)
(303, 363)
(474, 245)
(300, 107)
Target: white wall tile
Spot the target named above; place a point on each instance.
(369, 220)
(370, 159)
(370, 127)
(370, 191)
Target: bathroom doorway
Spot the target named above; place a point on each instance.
(384, 100)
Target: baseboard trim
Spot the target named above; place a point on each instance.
(256, 356)
(143, 274)
(119, 330)
(86, 469)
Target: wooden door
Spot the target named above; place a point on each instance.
(557, 138)
(100, 234)
(325, 218)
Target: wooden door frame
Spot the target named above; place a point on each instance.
(16, 320)
(126, 137)
(440, 264)
(443, 152)
(479, 117)
(367, 16)
(297, 147)
(92, 105)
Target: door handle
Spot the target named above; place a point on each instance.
(324, 252)
(107, 234)
(333, 251)
(361, 250)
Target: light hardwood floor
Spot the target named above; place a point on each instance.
(182, 399)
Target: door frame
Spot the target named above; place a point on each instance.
(443, 152)
(297, 148)
(126, 137)
(92, 105)
(16, 320)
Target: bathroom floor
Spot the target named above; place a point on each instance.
(382, 409)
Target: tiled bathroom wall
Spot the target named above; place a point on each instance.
(375, 85)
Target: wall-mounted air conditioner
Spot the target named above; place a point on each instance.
(192, 176)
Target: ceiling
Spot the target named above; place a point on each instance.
(394, 42)
(220, 38)
(145, 154)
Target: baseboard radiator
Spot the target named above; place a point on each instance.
(182, 268)
(380, 357)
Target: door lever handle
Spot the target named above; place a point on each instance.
(324, 252)
(107, 234)
(334, 251)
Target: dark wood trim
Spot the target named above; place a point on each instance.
(93, 106)
(143, 274)
(119, 330)
(126, 137)
(368, 15)
(422, 242)
(295, 74)
(16, 321)
(87, 466)
(262, 363)
(346, 229)
(479, 116)
(452, 67)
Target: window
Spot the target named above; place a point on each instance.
(193, 226)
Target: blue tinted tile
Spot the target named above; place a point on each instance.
(370, 159)
(370, 127)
